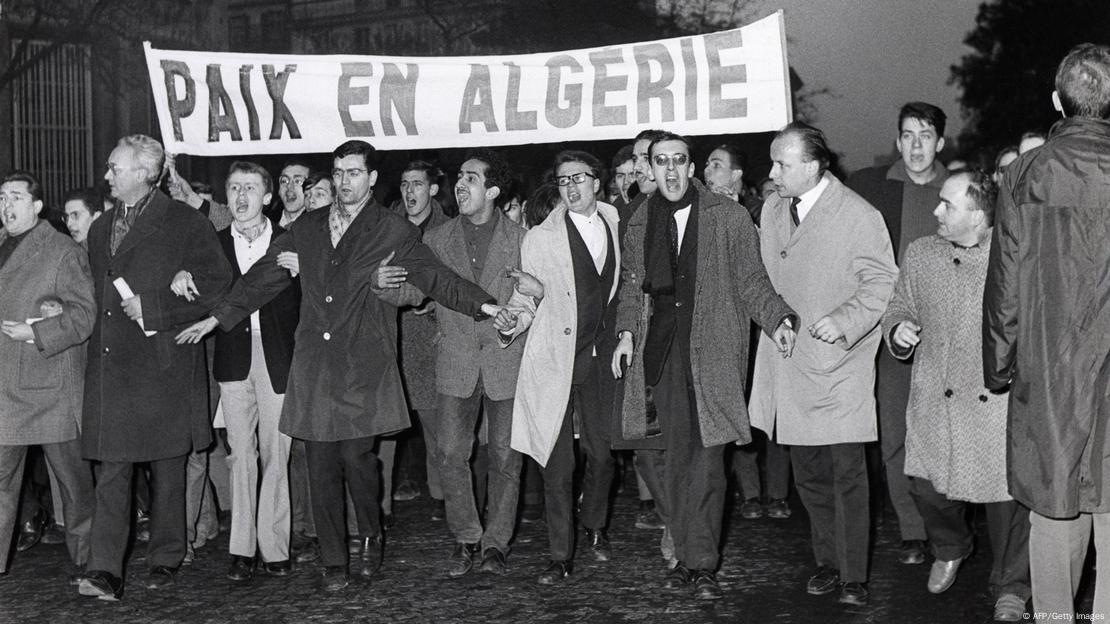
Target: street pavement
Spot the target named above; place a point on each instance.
(765, 565)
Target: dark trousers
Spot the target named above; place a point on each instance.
(892, 389)
(745, 466)
(112, 518)
(597, 478)
(330, 464)
(951, 535)
(694, 477)
(651, 465)
(832, 483)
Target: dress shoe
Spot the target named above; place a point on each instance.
(142, 526)
(678, 577)
(493, 562)
(190, 555)
(943, 574)
(1009, 608)
(388, 521)
(706, 586)
(77, 574)
(32, 530)
(599, 544)
(823, 581)
(335, 578)
(648, 518)
(555, 572)
(54, 534)
(277, 568)
(371, 550)
(308, 551)
(354, 544)
(853, 594)
(241, 570)
(461, 560)
(778, 509)
(911, 552)
(531, 512)
(406, 490)
(439, 509)
(159, 577)
(101, 584)
(751, 509)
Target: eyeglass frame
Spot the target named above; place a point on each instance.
(577, 178)
(668, 160)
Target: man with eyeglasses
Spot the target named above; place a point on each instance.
(575, 255)
(693, 350)
(344, 385)
(291, 191)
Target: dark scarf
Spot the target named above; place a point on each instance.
(660, 256)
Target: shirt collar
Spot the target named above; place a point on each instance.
(581, 219)
(266, 227)
(898, 173)
(807, 199)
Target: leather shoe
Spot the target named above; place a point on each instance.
(823, 581)
(54, 534)
(159, 577)
(853, 594)
(371, 550)
(911, 552)
(101, 584)
(1009, 608)
(493, 562)
(599, 544)
(461, 560)
(439, 509)
(277, 568)
(678, 577)
(751, 509)
(335, 578)
(943, 574)
(778, 509)
(555, 572)
(241, 570)
(31, 531)
(648, 518)
(706, 586)
(308, 552)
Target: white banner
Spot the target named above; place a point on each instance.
(221, 104)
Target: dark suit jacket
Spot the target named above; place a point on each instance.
(277, 320)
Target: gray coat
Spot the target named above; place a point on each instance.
(42, 384)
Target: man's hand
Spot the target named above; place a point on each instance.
(133, 308)
(290, 260)
(826, 330)
(427, 308)
(195, 332)
(17, 331)
(183, 286)
(387, 276)
(505, 321)
(491, 309)
(907, 334)
(784, 338)
(182, 191)
(526, 283)
(622, 356)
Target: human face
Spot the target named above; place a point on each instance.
(792, 174)
(126, 179)
(78, 219)
(246, 196)
(624, 175)
(580, 197)
(18, 211)
(289, 187)
(514, 210)
(417, 191)
(768, 189)
(918, 144)
(474, 199)
(957, 220)
(641, 165)
(321, 195)
(672, 179)
(719, 175)
(352, 179)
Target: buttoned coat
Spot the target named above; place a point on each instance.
(547, 364)
(42, 384)
(344, 382)
(955, 427)
(466, 348)
(146, 398)
(732, 290)
(838, 262)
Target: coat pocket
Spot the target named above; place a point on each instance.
(37, 372)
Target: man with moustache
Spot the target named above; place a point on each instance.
(344, 384)
(697, 258)
(905, 193)
(82, 207)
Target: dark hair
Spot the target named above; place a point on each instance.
(925, 113)
(622, 156)
(670, 136)
(541, 203)
(981, 190)
(586, 158)
(90, 197)
(1083, 81)
(358, 148)
(650, 135)
(200, 187)
(246, 166)
(737, 156)
(498, 172)
(295, 162)
(315, 178)
(814, 146)
(515, 191)
(431, 171)
(33, 185)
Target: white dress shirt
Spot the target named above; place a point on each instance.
(807, 199)
(592, 230)
(249, 252)
(680, 219)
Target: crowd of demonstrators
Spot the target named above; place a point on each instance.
(539, 335)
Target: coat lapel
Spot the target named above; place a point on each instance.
(500, 255)
(26, 250)
(457, 258)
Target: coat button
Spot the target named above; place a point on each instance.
(110, 273)
(567, 331)
(105, 351)
(948, 393)
(983, 398)
(678, 304)
(107, 313)
(327, 336)
(956, 261)
(782, 254)
(327, 299)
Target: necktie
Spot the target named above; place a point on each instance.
(339, 222)
(672, 234)
(122, 225)
(794, 211)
